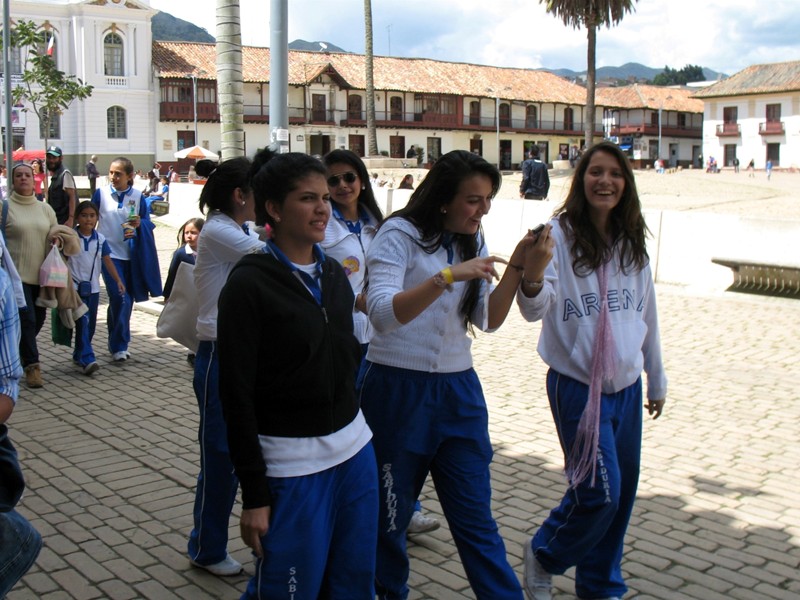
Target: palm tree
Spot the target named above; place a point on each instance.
(372, 139)
(230, 84)
(589, 14)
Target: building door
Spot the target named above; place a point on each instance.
(774, 154)
(673, 155)
(476, 147)
(185, 140)
(319, 144)
(397, 146)
(697, 157)
(434, 149)
(505, 154)
(544, 152)
(730, 154)
(318, 108)
(356, 144)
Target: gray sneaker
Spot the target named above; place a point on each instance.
(537, 582)
(224, 568)
(92, 367)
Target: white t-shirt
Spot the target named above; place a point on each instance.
(93, 249)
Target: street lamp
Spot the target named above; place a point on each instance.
(660, 108)
(497, 120)
(193, 77)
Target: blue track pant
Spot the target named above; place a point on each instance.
(588, 528)
(120, 306)
(434, 422)
(321, 538)
(216, 483)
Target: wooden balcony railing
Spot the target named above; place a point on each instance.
(729, 130)
(771, 128)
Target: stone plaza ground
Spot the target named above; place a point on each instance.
(111, 461)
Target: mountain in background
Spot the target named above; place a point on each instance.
(167, 28)
(315, 46)
(626, 72)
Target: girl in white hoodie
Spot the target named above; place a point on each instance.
(588, 280)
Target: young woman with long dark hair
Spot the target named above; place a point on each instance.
(430, 279)
(588, 280)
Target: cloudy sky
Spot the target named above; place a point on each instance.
(723, 35)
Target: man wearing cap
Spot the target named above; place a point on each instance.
(62, 194)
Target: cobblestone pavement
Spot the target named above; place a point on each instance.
(111, 462)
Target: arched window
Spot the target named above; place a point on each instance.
(354, 104)
(531, 117)
(569, 119)
(113, 55)
(396, 108)
(117, 120)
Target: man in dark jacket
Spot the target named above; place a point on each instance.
(535, 179)
(92, 173)
(62, 194)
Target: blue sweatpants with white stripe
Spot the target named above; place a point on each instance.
(216, 483)
(435, 422)
(588, 528)
(120, 306)
(321, 538)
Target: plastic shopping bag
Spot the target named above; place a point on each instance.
(54, 271)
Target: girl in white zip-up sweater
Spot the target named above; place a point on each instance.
(588, 280)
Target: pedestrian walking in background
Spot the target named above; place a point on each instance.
(535, 184)
(26, 225)
(38, 179)
(85, 268)
(62, 194)
(588, 279)
(124, 220)
(92, 174)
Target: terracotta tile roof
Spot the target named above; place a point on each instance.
(757, 79)
(177, 59)
(649, 96)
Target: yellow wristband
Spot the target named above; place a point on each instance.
(448, 276)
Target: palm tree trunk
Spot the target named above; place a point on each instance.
(230, 85)
(372, 138)
(590, 84)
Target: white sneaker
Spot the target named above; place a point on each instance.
(224, 568)
(537, 582)
(121, 356)
(422, 524)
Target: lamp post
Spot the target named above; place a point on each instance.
(194, 105)
(660, 108)
(497, 120)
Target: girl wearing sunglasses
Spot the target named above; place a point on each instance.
(355, 216)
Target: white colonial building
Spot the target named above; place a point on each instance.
(105, 43)
(754, 115)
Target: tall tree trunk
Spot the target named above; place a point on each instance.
(230, 85)
(372, 138)
(591, 77)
